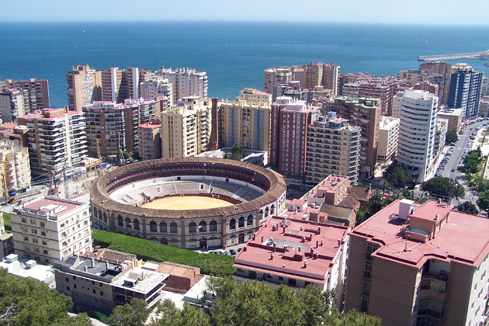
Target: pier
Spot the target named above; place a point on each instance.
(484, 55)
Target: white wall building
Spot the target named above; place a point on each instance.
(51, 228)
(185, 82)
(388, 138)
(417, 132)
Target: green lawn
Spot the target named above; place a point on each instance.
(150, 250)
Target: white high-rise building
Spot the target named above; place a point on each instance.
(185, 82)
(417, 132)
(157, 86)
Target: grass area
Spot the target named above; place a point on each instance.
(150, 250)
(6, 221)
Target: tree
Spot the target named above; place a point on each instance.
(188, 316)
(468, 207)
(483, 201)
(398, 176)
(134, 313)
(25, 301)
(256, 303)
(472, 161)
(135, 154)
(237, 153)
(437, 186)
(451, 137)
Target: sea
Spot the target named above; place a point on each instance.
(234, 54)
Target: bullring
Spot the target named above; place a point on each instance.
(253, 193)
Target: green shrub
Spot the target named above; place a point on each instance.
(149, 250)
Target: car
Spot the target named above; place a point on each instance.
(453, 170)
(239, 249)
(232, 252)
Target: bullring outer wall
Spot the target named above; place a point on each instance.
(190, 229)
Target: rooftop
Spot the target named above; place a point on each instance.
(446, 243)
(49, 206)
(285, 246)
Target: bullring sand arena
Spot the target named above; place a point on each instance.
(186, 203)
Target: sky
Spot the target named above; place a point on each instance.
(426, 12)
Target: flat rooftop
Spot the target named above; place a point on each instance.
(50, 205)
(462, 239)
(304, 249)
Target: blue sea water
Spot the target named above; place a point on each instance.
(233, 54)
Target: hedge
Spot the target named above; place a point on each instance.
(211, 264)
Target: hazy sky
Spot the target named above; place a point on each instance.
(458, 12)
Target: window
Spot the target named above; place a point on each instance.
(67, 288)
(24, 220)
(367, 271)
(45, 252)
(101, 292)
(192, 227)
(173, 227)
(213, 226)
(67, 279)
(364, 304)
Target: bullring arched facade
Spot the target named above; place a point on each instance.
(190, 229)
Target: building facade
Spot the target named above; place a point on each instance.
(186, 129)
(37, 90)
(185, 82)
(417, 130)
(297, 253)
(388, 138)
(290, 123)
(50, 229)
(100, 285)
(150, 140)
(333, 147)
(15, 166)
(465, 89)
(245, 123)
(409, 265)
(12, 104)
(112, 128)
(57, 140)
(364, 113)
(84, 86)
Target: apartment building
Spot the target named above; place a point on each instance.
(57, 140)
(290, 123)
(84, 85)
(37, 92)
(100, 285)
(245, 123)
(420, 76)
(417, 130)
(50, 229)
(296, 252)
(12, 104)
(278, 80)
(388, 138)
(15, 166)
(185, 82)
(440, 136)
(254, 96)
(150, 140)
(186, 129)
(465, 89)
(364, 113)
(112, 127)
(367, 85)
(156, 87)
(333, 147)
(444, 69)
(454, 117)
(420, 264)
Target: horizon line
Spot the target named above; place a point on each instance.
(240, 22)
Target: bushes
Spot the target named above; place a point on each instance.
(150, 250)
